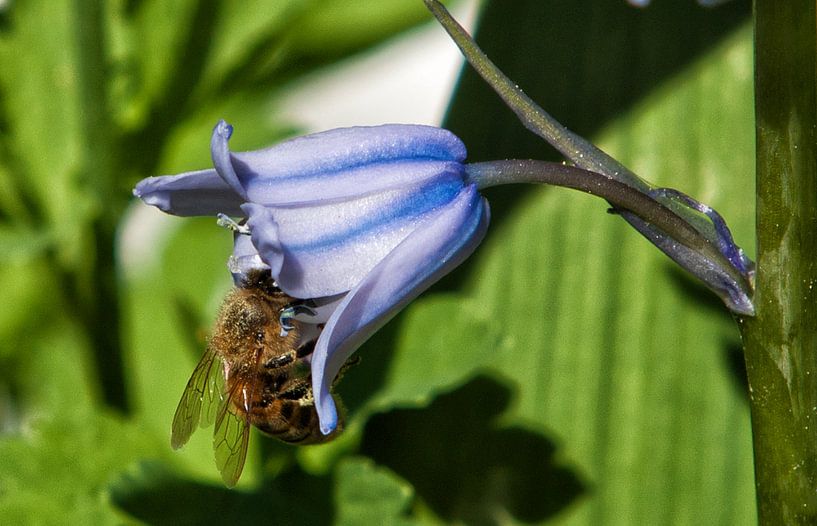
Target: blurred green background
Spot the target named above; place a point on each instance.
(566, 374)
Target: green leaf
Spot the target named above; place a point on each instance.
(344, 25)
(423, 355)
(185, 65)
(366, 494)
(173, 307)
(71, 462)
(567, 363)
(58, 450)
(624, 365)
(22, 244)
(27, 288)
(472, 464)
(43, 138)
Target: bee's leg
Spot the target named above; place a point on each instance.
(299, 389)
(288, 314)
(288, 358)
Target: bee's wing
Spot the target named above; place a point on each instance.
(213, 392)
(199, 399)
(231, 437)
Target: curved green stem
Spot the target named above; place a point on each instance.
(622, 196)
(727, 273)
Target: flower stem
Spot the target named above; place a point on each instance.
(622, 196)
(728, 273)
(780, 344)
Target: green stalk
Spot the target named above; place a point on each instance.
(622, 196)
(780, 343)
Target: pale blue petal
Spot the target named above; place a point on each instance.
(201, 193)
(336, 164)
(717, 277)
(327, 248)
(438, 244)
(245, 258)
(222, 158)
(264, 236)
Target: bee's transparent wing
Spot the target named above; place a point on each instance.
(231, 437)
(200, 399)
(213, 392)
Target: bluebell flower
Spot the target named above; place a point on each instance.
(357, 220)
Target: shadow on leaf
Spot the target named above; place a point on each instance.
(156, 496)
(464, 465)
(735, 362)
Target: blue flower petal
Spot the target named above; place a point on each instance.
(245, 258)
(438, 244)
(336, 164)
(325, 248)
(264, 236)
(201, 193)
(222, 158)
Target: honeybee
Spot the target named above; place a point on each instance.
(252, 373)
